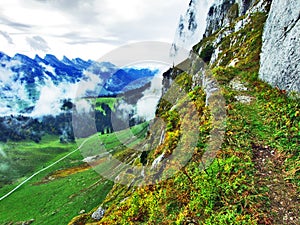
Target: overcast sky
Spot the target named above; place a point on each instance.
(85, 28)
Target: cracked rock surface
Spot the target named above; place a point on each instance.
(280, 57)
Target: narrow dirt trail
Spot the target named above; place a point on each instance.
(284, 200)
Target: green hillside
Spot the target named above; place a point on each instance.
(254, 178)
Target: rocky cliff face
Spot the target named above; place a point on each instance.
(280, 57)
(244, 5)
(223, 12)
(233, 40)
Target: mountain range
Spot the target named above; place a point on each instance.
(39, 86)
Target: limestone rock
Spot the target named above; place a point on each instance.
(237, 85)
(280, 57)
(244, 99)
(244, 5)
(219, 15)
(98, 214)
(223, 12)
(157, 161)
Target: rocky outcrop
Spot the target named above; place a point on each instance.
(244, 5)
(220, 14)
(279, 54)
(223, 12)
(280, 57)
(98, 214)
(238, 41)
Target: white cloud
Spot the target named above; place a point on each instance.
(88, 29)
(146, 106)
(38, 43)
(7, 37)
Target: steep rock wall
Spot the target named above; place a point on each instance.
(237, 43)
(280, 57)
(223, 12)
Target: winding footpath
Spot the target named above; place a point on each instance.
(42, 170)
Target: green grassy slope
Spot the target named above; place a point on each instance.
(24, 157)
(255, 172)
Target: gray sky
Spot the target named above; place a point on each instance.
(85, 28)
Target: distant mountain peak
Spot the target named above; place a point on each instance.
(4, 56)
(50, 57)
(67, 61)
